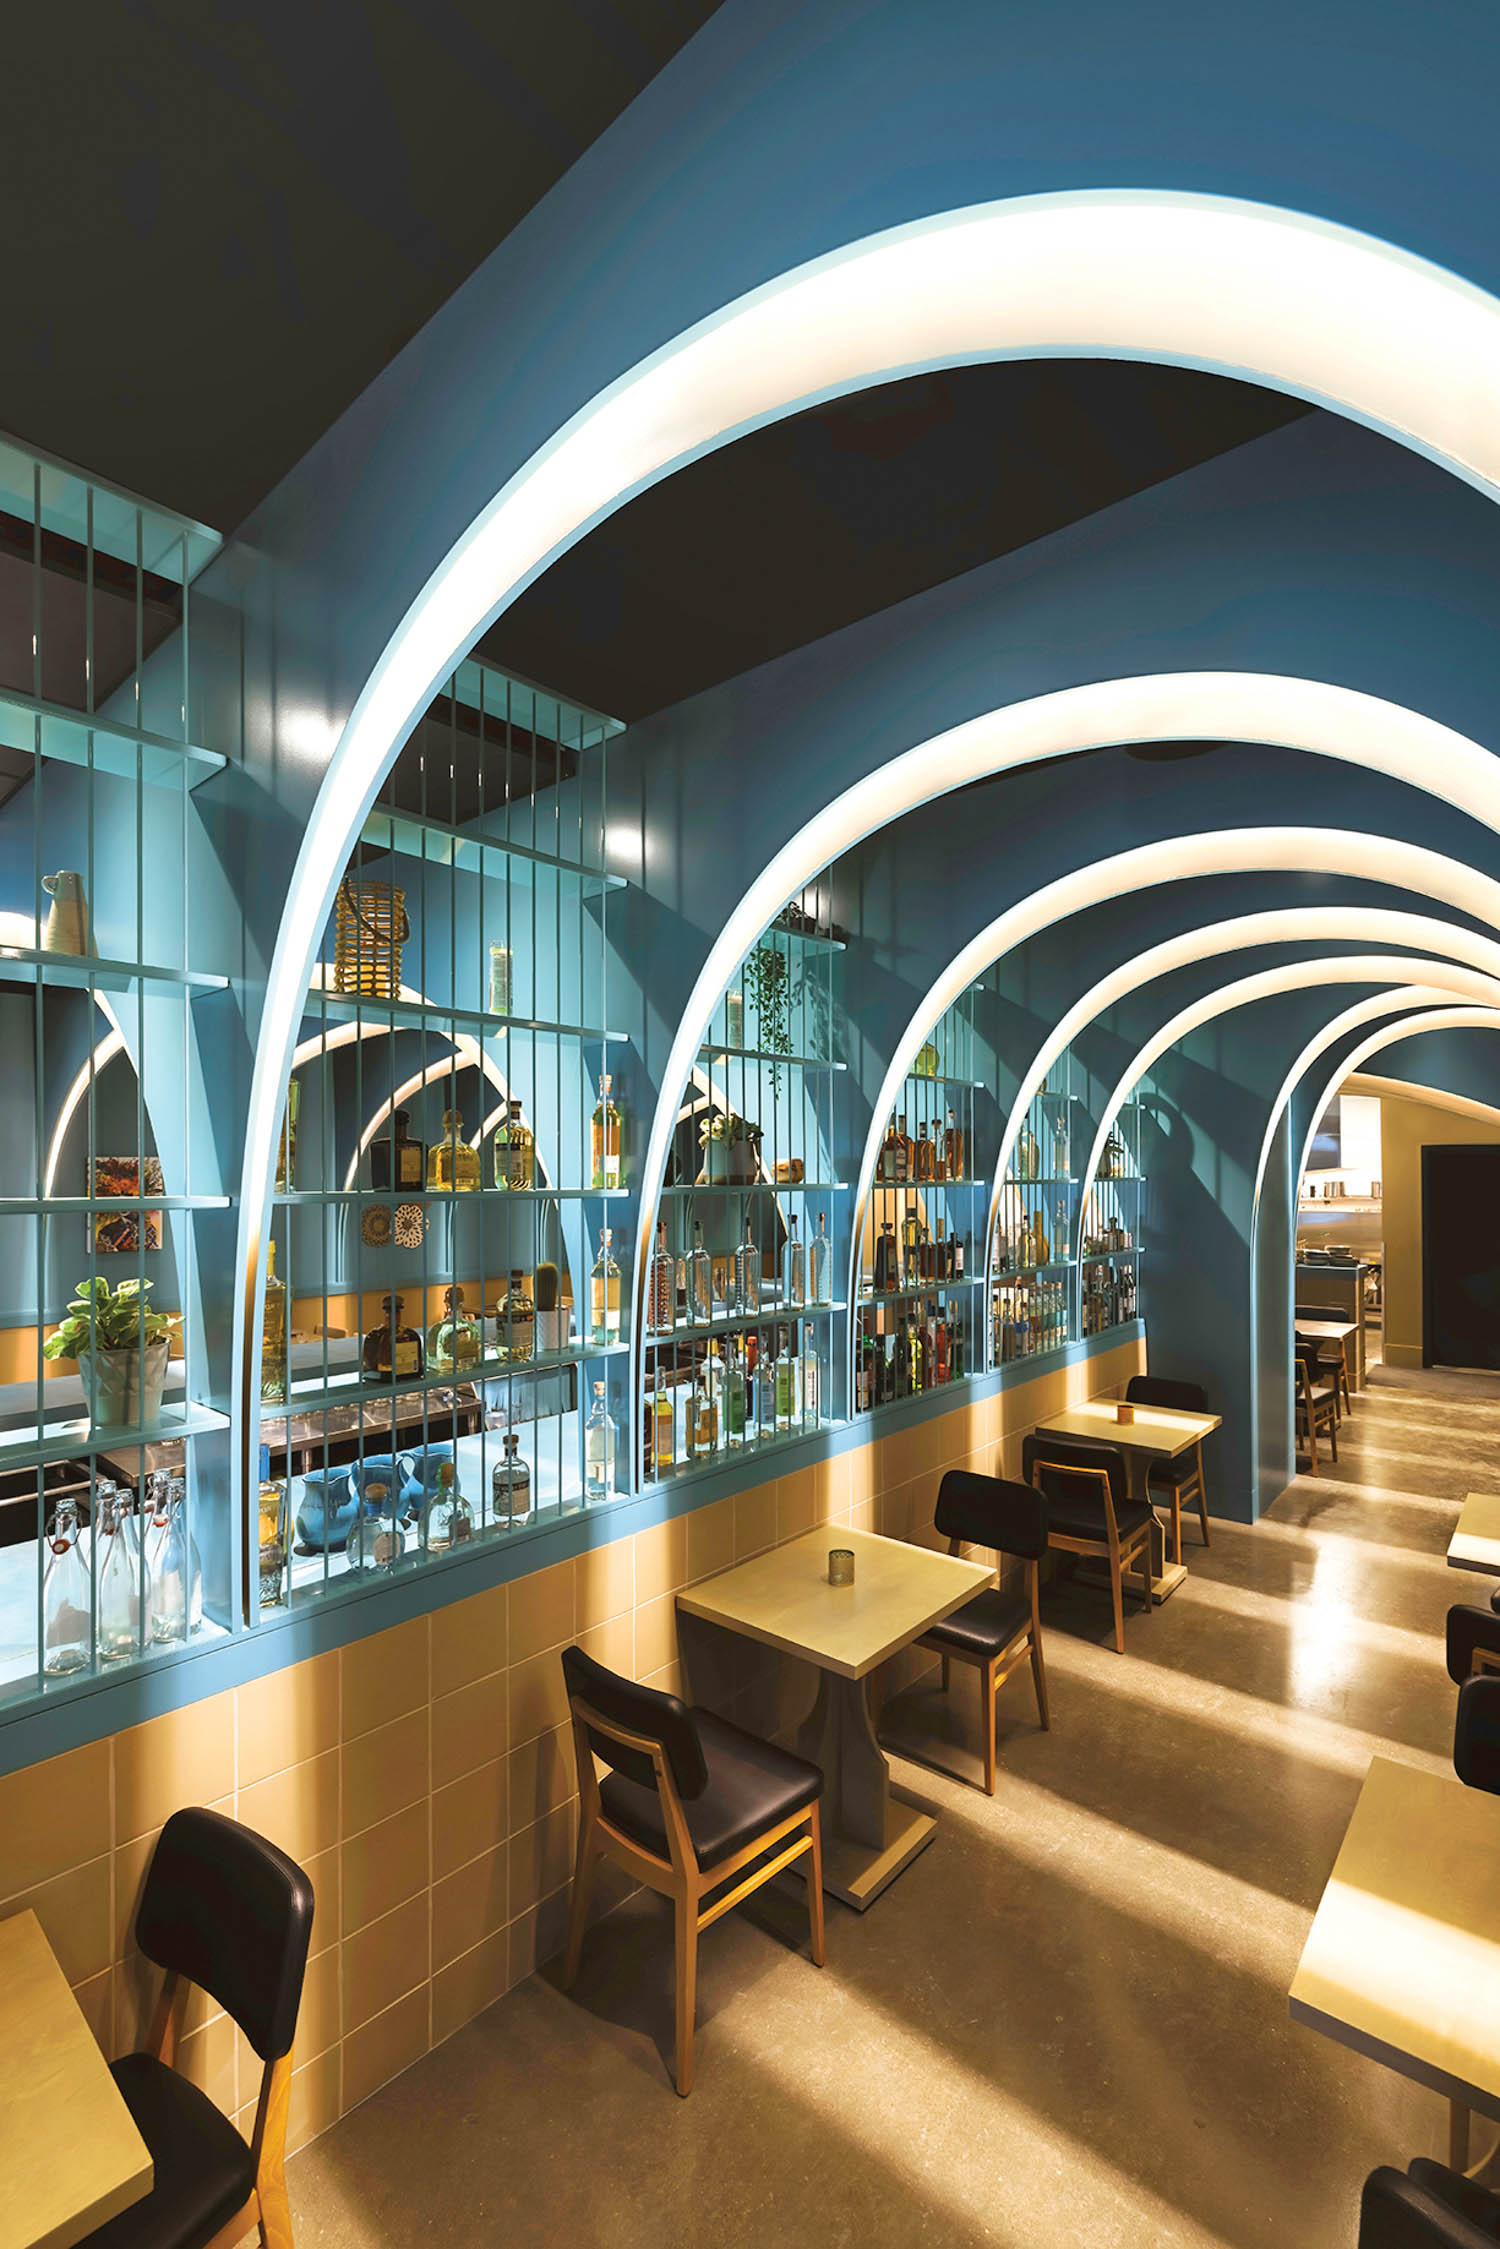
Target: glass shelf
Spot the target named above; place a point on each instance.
(793, 941)
(1026, 1272)
(30, 965)
(725, 1456)
(40, 1443)
(354, 1386)
(60, 1206)
(1065, 1180)
(711, 1052)
(489, 1195)
(760, 1187)
(1106, 1256)
(26, 723)
(410, 836)
(732, 1323)
(418, 1015)
(920, 1288)
(968, 1085)
(918, 1186)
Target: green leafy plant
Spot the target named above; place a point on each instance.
(725, 1125)
(769, 983)
(107, 1319)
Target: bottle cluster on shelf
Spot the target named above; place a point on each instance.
(746, 1389)
(696, 1290)
(120, 1579)
(1029, 1316)
(936, 1156)
(899, 1357)
(1109, 1296)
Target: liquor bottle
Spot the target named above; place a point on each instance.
(747, 1274)
(515, 1150)
(452, 1165)
(448, 1519)
(286, 1140)
(732, 1401)
(905, 1151)
(812, 1378)
(510, 1485)
(604, 1294)
(399, 1161)
(273, 1342)
(392, 1351)
(65, 1597)
(271, 1521)
(598, 1450)
(606, 1140)
(1062, 1149)
(942, 1254)
(454, 1342)
(376, 1543)
(663, 1429)
(785, 1388)
(941, 1368)
(953, 1148)
(916, 1358)
(515, 1321)
(702, 1420)
(119, 1616)
(960, 1255)
(175, 1571)
(820, 1264)
(1028, 1155)
(923, 1165)
(887, 1276)
(700, 1279)
(661, 1294)
(890, 1155)
(911, 1251)
(793, 1267)
(864, 1374)
(1041, 1247)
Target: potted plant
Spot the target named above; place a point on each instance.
(121, 1349)
(731, 1150)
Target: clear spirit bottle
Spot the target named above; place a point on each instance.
(510, 1485)
(454, 1342)
(953, 1149)
(820, 1264)
(732, 1401)
(119, 1621)
(812, 1378)
(65, 1597)
(452, 1165)
(393, 1352)
(448, 1520)
(598, 1450)
(515, 1322)
(785, 1384)
(661, 1304)
(171, 1576)
(607, 1140)
(271, 1522)
(376, 1543)
(747, 1274)
(700, 1279)
(1061, 1146)
(793, 1267)
(515, 1151)
(273, 1345)
(702, 1420)
(604, 1295)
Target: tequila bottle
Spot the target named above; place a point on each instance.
(454, 1341)
(812, 1378)
(700, 1278)
(661, 1303)
(510, 1484)
(452, 1165)
(606, 1140)
(119, 1625)
(820, 1264)
(393, 1352)
(65, 1597)
(702, 1420)
(273, 1343)
(515, 1150)
(924, 1166)
(598, 1450)
(890, 1155)
(1028, 1155)
(905, 1151)
(1061, 1146)
(604, 1295)
(793, 1267)
(515, 1321)
(953, 1148)
(399, 1161)
(786, 1388)
(732, 1401)
(448, 1521)
(887, 1277)
(747, 1274)
(376, 1542)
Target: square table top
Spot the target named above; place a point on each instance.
(70, 2155)
(1159, 1430)
(1326, 1331)
(784, 1599)
(1403, 1958)
(1475, 1544)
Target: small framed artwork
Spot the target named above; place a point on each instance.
(126, 1230)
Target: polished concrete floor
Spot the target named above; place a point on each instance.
(1067, 2022)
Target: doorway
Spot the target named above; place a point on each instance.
(1461, 1256)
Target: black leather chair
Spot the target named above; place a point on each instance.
(1180, 1479)
(689, 1802)
(1426, 2207)
(999, 1628)
(1476, 1734)
(1316, 1402)
(1089, 1510)
(1473, 1642)
(224, 1909)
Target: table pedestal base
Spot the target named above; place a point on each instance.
(871, 1828)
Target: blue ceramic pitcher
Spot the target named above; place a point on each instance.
(326, 1511)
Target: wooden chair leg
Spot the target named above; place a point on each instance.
(687, 1989)
(1117, 1590)
(814, 1865)
(584, 1863)
(1039, 1680)
(1146, 1566)
(1202, 1497)
(270, 2178)
(987, 1675)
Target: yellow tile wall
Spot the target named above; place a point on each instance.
(424, 1775)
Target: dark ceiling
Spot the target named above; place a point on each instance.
(222, 218)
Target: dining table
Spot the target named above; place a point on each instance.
(1475, 1544)
(70, 2155)
(1150, 1433)
(1402, 1962)
(1341, 1332)
(872, 1827)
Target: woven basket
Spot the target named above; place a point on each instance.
(370, 930)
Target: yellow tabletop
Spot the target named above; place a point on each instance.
(785, 1600)
(1475, 1544)
(1403, 1959)
(1326, 1331)
(1159, 1430)
(70, 2156)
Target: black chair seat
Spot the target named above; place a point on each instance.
(751, 1785)
(1084, 1518)
(204, 2171)
(1182, 1470)
(983, 1627)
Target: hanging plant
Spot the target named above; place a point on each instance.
(770, 987)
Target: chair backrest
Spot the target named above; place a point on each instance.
(991, 1511)
(1473, 1642)
(1434, 2206)
(1476, 1734)
(1066, 1470)
(1161, 1390)
(644, 1711)
(232, 1913)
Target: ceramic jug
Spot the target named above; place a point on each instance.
(418, 1477)
(326, 1511)
(67, 929)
